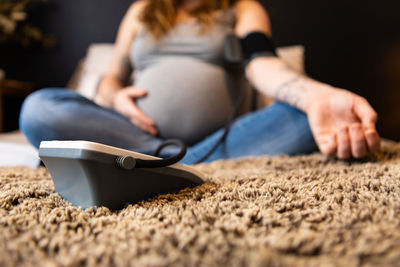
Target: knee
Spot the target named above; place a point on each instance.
(37, 105)
(39, 111)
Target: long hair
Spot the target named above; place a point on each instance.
(159, 16)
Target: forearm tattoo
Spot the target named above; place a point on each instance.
(292, 91)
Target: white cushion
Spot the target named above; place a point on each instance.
(293, 56)
(97, 62)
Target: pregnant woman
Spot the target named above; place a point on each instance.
(182, 88)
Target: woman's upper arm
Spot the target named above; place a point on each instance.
(250, 17)
(120, 67)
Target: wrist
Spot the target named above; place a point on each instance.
(317, 92)
(105, 97)
(107, 91)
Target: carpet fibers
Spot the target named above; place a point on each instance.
(267, 211)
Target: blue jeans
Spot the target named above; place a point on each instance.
(59, 114)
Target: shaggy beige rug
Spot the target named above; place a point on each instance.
(268, 211)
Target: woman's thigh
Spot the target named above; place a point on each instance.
(60, 114)
(277, 129)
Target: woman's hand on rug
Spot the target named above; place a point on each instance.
(124, 102)
(343, 124)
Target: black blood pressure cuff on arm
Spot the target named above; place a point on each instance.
(257, 44)
(239, 51)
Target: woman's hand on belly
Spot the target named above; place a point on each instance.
(124, 103)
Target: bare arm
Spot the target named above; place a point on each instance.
(113, 90)
(271, 75)
(343, 123)
(120, 69)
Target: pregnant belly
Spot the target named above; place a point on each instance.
(187, 98)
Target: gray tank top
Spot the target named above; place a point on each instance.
(190, 93)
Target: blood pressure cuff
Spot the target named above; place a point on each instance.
(257, 44)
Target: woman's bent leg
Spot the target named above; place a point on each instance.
(277, 129)
(60, 114)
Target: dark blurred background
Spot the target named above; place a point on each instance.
(349, 44)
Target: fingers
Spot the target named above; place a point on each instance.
(136, 115)
(344, 148)
(145, 127)
(142, 121)
(135, 92)
(355, 142)
(348, 130)
(349, 141)
(365, 112)
(358, 142)
(327, 144)
(368, 118)
(373, 140)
